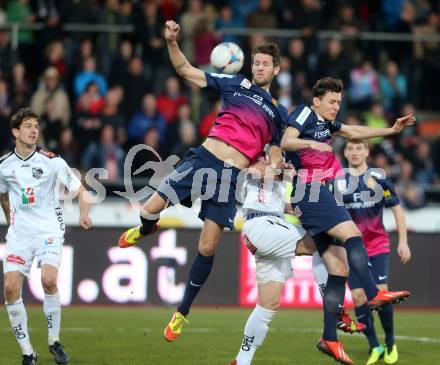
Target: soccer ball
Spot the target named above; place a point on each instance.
(227, 57)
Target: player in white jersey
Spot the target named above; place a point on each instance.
(29, 179)
(274, 242)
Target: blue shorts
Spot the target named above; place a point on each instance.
(322, 212)
(202, 175)
(379, 266)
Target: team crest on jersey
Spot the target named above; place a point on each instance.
(37, 172)
(371, 182)
(246, 84)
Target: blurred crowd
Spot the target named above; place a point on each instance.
(99, 94)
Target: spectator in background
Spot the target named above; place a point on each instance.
(263, 16)
(393, 88)
(187, 138)
(204, 42)
(66, 146)
(171, 99)
(111, 114)
(424, 169)
(6, 108)
(89, 75)
(208, 120)
(6, 54)
(375, 118)
(364, 86)
(148, 117)
(226, 19)
(334, 63)
(188, 23)
(151, 139)
(297, 57)
(106, 153)
(284, 82)
(51, 90)
(55, 57)
(20, 86)
(411, 194)
(135, 86)
(120, 63)
(90, 101)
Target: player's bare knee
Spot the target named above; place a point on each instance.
(207, 247)
(49, 284)
(12, 291)
(271, 304)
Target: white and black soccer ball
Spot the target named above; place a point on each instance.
(227, 58)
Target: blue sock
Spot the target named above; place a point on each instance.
(334, 293)
(364, 316)
(386, 318)
(200, 270)
(358, 262)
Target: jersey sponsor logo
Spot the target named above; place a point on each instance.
(323, 134)
(252, 249)
(37, 172)
(247, 342)
(15, 259)
(246, 84)
(302, 117)
(27, 196)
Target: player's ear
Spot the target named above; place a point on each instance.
(316, 101)
(276, 70)
(15, 132)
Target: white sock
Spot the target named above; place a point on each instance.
(320, 272)
(52, 311)
(18, 318)
(255, 332)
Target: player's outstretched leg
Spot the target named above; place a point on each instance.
(149, 218)
(385, 297)
(30, 359)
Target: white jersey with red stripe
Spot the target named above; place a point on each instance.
(267, 197)
(33, 187)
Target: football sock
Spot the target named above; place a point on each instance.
(319, 272)
(147, 225)
(200, 270)
(255, 332)
(18, 318)
(52, 311)
(364, 316)
(333, 303)
(358, 262)
(386, 318)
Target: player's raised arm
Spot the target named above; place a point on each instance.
(362, 132)
(4, 201)
(178, 59)
(292, 142)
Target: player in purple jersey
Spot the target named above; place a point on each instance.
(308, 135)
(367, 214)
(249, 119)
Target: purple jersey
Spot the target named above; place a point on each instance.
(368, 213)
(314, 165)
(250, 118)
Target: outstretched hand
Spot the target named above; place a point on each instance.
(403, 122)
(172, 30)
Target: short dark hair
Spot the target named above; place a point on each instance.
(21, 115)
(325, 85)
(268, 48)
(357, 141)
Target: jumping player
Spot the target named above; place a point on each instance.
(249, 119)
(29, 176)
(308, 136)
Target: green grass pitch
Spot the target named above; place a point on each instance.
(131, 336)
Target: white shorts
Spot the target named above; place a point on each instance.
(20, 254)
(273, 242)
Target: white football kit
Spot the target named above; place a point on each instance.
(37, 224)
(266, 234)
